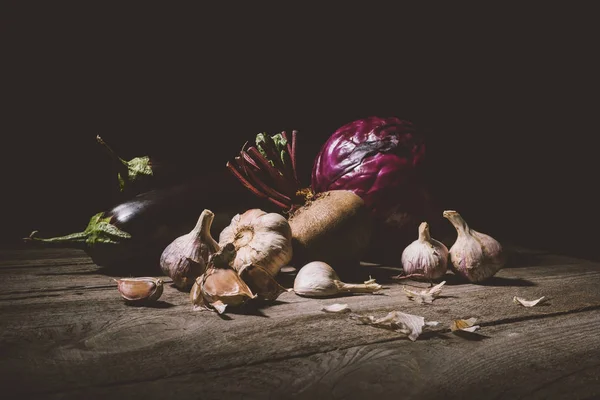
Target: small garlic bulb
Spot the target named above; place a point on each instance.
(185, 258)
(425, 256)
(475, 255)
(260, 238)
(318, 279)
(220, 286)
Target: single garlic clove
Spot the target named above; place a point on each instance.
(220, 286)
(425, 257)
(261, 282)
(260, 238)
(140, 290)
(318, 279)
(475, 255)
(184, 259)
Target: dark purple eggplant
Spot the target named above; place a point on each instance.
(133, 234)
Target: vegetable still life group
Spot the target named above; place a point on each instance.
(367, 199)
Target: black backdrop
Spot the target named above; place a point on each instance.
(507, 98)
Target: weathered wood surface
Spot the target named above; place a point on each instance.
(65, 333)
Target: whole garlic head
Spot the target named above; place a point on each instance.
(184, 259)
(425, 256)
(260, 238)
(475, 255)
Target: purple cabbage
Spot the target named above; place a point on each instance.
(379, 159)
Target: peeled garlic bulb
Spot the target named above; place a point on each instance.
(220, 286)
(185, 258)
(475, 255)
(318, 279)
(260, 238)
(425, 256)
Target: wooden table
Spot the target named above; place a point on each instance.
(66, 334)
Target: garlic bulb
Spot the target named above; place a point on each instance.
(318, 279)
(185, 258)
(260, 238)
(425, 257)
(220, 286)
(475, 255)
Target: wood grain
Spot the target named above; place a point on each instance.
(65, 333)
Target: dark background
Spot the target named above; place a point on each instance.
(506, 96)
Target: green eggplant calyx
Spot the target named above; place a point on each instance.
(137, 168)
(128, 171)
(98, 231)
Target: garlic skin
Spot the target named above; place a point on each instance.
(318, 279)
(140, 290)
(186, 257)
(475, 255)
(425, 256)
(260, 238)
(220, 286)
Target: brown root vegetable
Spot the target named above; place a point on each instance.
(334, 227)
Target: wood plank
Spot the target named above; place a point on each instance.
(74, 338)
(522, 360)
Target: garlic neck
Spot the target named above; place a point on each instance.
(424, 235)
(459, 223)
(202, 228)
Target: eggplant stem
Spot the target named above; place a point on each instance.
(251, 187)
(123, 165)
(73, 240)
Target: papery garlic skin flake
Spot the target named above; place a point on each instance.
(407, 324)
(260, 238)
(474, 255)
(527, 303)
(425, 256)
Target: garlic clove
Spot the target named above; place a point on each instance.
(140, 290)
(220, 286)
(261, 282)
(184, 259)
(318, 279)
(474, 255)
(425, 257)
(260, 238)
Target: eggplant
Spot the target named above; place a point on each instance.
(132, 235)
(145, 173)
